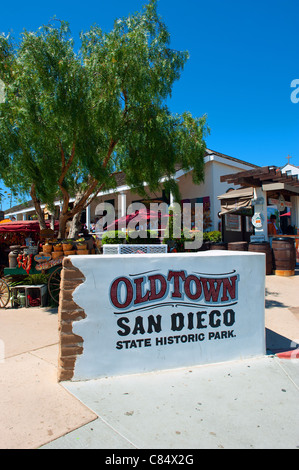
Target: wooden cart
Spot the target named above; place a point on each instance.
(52, 267)
(15, 233)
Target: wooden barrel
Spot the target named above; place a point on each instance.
(263, 247)
(284, 256)
(218, 246)
(237, 246)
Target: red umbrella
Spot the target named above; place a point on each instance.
(144, 215)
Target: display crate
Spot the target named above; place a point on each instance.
(29, 296)
(119, 249)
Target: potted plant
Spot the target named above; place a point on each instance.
(67, 245)
(57, 247)
(81, 244)
(47, 248)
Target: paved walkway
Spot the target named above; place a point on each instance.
(242, 404)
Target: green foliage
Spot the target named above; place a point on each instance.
(24, 279)
(149, 239)
(172, 240)
(15, 280)
(213, 237)
(113, 238)
(71, 120)
(36, 279)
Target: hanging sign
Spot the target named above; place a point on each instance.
(281, 203)
(258, 220)
(47, 233)
(42, 258)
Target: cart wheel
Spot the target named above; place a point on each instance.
(4, 294)
(54, 284)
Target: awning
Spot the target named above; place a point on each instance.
(235, 200)
(23, 226)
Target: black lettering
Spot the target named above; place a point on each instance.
(154, 324)
(120, 323)
(177, 321)
(200, 319)
(214, 323)
(138, 328)
(229, 317)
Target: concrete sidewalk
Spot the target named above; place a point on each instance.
(241, 404)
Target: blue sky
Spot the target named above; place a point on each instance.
(243, 58)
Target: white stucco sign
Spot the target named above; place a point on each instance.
(153, 312)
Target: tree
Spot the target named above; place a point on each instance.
(71, 120)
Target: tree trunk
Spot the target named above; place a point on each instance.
(75, 226)
(62, 225)
(52, 221)
(38, 209)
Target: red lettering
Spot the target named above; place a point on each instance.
(198, 289)
(155, 294)
(229, 284)
(139, 298)
(176, 275)
(145, 289)
(114, 292)
(209, 288)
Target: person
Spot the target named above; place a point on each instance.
(272, 229)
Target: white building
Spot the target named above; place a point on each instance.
(216, 165)
(290, 169)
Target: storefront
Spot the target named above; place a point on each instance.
(236, 214)
(273, 199)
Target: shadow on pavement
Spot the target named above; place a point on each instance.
(276, 343)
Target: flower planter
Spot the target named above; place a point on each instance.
(57, 247)
(67, 246)
(57, 254)
(47, 248)
(69, 252)
(81, 246)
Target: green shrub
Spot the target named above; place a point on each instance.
(149, 240)
(36, 279)
(113, 238)
(213, 237)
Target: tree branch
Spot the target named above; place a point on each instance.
(66, 166)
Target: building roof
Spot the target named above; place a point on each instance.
(233, 159)
(269, 178)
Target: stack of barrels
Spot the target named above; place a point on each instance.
(218, 246)
(237, 246)
(281, 257)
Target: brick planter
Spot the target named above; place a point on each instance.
(71, 345)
